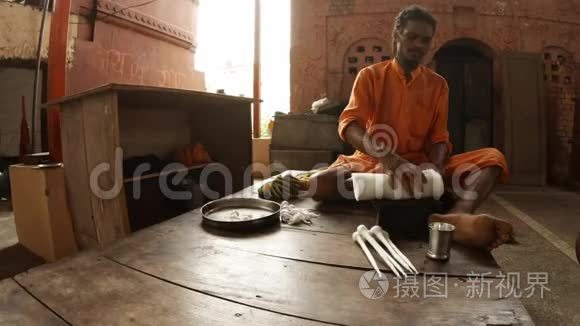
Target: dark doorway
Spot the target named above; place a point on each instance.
(468, 68)
(575, 166)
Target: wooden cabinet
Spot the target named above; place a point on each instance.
(101, 127)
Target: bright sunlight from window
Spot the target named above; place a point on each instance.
(226, 51)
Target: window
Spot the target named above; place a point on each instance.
(226, 51)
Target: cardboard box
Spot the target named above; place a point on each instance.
(41, 214)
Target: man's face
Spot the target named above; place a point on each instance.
(414, 41)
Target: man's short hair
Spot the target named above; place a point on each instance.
(413, 12)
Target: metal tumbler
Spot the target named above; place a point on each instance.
(440, 240)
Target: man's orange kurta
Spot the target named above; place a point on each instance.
(408, 116)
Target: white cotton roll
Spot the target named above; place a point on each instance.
(370, 186)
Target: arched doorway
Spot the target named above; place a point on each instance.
(467, 65)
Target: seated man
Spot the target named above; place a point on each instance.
(397, 121)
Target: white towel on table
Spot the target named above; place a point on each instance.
(370, 186)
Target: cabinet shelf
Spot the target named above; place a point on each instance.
(166, 172)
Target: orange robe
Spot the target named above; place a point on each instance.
(407, 116)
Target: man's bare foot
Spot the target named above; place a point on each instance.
(483, 231)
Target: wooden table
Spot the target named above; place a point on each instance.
(179, 273)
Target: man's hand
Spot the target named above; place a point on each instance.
(431, 166)
(407, 174)
(438, 156)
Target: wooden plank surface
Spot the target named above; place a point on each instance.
(311, 246)
(179, 272)
(319, 292)
(19, 308)
(147, 94)
(100, 114)
(336, 217)
(92, 290)
(342, 218)
(76, 175)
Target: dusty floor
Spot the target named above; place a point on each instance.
(546, 222)
(7, 228)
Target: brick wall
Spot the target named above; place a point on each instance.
(559, 75)
(324, 32)
(19, 28)
(150, 45)
(341, 7)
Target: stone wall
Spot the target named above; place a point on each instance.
(19, 28)
(326, 32)
(150, 45)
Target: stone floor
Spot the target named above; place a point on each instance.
(546, 221)
(7, 228)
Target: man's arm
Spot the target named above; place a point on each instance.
(356, 114)
(351, 130)
(409, 174)
(440, 147)
(438, 156)
(358, 138)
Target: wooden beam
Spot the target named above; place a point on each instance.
(257, 69)
(57, 73)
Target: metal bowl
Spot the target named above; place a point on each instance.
(240, 213)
